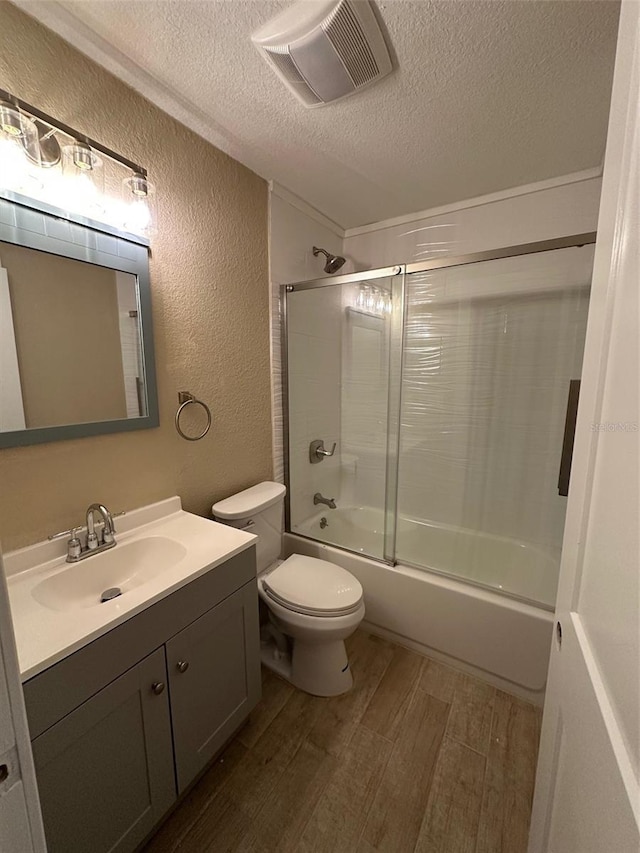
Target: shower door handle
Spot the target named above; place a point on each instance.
(569, 436)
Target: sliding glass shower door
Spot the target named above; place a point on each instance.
(342, 352)
(489, 354)
(426, 412)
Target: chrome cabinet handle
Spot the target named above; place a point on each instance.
(182, 665)
(158, 687)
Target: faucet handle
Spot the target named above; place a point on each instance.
(71, 533)
(317, 451)
(320, 451)
(74, 545)
(107, 535)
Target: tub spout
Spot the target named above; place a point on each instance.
(318, 499)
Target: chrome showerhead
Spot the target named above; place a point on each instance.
(334, 262)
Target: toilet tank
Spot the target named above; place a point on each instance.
(257, 510)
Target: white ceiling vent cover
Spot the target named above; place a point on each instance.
(325, 50)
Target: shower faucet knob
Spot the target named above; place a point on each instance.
(317, 451)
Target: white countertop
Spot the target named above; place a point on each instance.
(45, 636)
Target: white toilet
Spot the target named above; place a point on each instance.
(313, 604)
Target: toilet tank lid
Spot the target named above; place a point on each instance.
(250, 501)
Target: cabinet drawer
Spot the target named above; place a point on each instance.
(214, 679)
(55, 692)
(105, 772)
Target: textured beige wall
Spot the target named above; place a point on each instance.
(210, 307)
(65, 316)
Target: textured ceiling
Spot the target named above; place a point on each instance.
(486, 96)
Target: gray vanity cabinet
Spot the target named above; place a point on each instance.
(121, 727)
(105, 771)
(213, 681)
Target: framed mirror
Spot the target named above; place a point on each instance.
(76, 339)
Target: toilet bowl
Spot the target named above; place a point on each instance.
(313, 605)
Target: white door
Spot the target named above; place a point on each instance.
(20, 820)
(587, 796)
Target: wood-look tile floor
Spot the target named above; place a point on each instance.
(416, 757)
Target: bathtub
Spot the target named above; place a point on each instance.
(457, 620)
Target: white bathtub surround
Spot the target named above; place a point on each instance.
(490, 350)
(489, 462)
(560, 206)
(502, 641)
(542, 211)
(364, 380)
(294, 229)
(47, 629)
(513, 567)
(314, 357)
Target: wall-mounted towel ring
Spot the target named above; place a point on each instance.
(185, 399)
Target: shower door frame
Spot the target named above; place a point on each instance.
(349, 278)
(568, 242)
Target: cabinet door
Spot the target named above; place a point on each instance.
(214, 679)
(105, 771)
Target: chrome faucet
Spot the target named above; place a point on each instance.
(318, 499)
(95, 543)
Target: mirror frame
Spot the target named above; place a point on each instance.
(36, 225)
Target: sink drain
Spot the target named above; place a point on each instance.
(111, 593)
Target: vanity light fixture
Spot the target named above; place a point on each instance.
(11, 121)
(373, 300)
(32, 144)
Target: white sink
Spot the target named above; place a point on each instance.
(126, 566)
(56, 605)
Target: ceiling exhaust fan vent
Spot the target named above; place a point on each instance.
(350, 42)
(286, 68)
(325, 50)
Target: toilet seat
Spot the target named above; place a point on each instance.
(313, 587)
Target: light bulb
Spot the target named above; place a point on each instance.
(81, 194)
(138, 216)
(139, 199)
(16, 172)
(83, 180)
